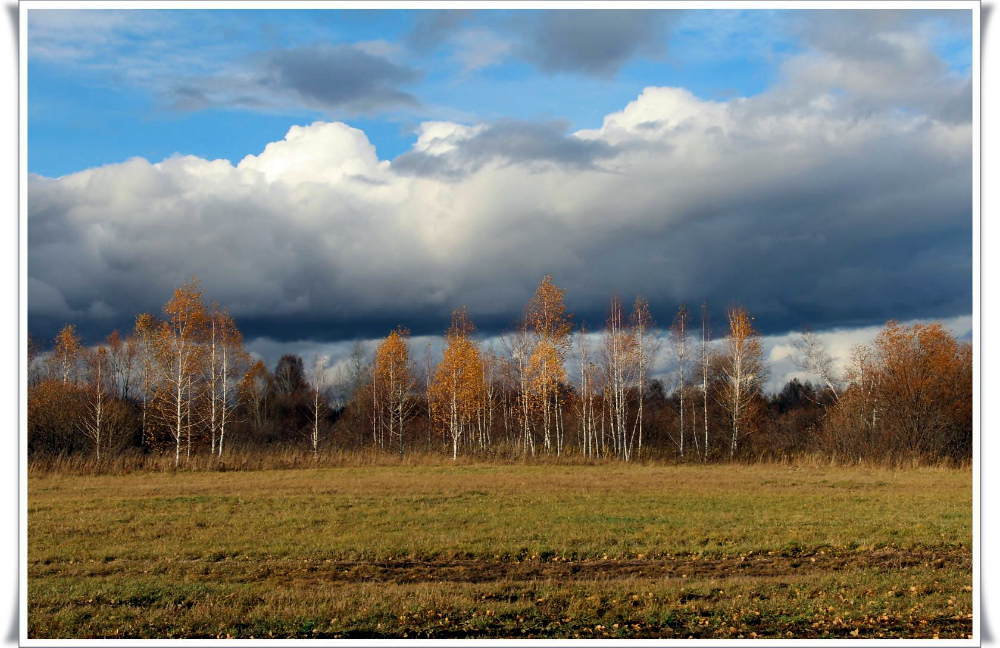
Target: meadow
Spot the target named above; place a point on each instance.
(490, 550)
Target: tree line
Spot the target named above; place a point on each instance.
(183, 384)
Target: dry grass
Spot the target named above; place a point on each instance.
(503, 550)
(298, 457)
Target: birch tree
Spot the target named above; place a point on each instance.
(490, 363)
(546, 317)
(179, 355)
(586, 412)
(100, 421)
(66, 354)
(318, 407)
(646, 347)
(745, 373)
(234, 364)
(456, 391)
(428, 380)
(395, 380)
(813, 358)
(706, 335)
(519, 347)
(213, 370)
(144, 333)
(678, 335)
(620, 363)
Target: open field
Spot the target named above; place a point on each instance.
(503, 551)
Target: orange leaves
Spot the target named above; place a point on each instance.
(745, 373)
(545, 366)
(392, 359)
(910, 394)
(66, 353)
(741, 329)
(392, 381)
(462, 326)
(457, 389)
(546, 317)
(176, 338)
(546, 312)
(547, 328)
(185, 311)
(925, 363)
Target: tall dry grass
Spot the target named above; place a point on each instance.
(298, 457)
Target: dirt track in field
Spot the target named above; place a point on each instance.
(477, 571)
(546, 568)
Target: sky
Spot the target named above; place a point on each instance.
(331, 174)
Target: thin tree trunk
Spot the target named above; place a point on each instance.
(225, 399)
(214, 385)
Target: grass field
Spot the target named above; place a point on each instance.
(503, 551)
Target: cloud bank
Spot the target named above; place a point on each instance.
(841, 197)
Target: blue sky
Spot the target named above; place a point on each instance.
(101, 84)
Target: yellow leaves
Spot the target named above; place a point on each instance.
(66, 352)
(185, 311)
(393, 379)
(392, 355)
(545, 366)
(546, 317)
(740, 324)
(546, 312)
(457, 388)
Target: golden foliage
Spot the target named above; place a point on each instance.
(457, 389)
(66, 354)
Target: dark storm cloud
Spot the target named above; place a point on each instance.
(188, 98)
(591, 42)
(509, 142)
(594, 42)
(433, 26)
(337, 79)
(340, 76)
